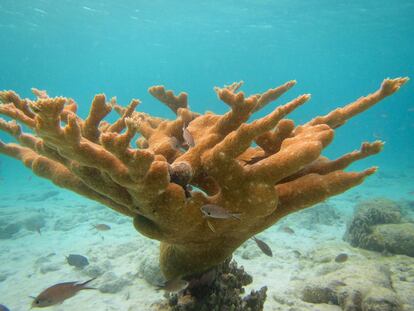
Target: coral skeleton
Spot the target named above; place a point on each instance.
(143, 167)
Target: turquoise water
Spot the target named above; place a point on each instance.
(336, 50)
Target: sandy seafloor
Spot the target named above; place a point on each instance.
(121, 257)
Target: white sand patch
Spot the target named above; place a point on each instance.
(31, 261)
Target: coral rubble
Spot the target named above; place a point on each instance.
(262, 170)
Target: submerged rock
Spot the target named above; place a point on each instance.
(112, 283)
(149, 270)
(365, 287)
(381, 299)
(49, 267)
(77, 261)
(394, 238)
(218, 290)
(377, 226)
(94, 271)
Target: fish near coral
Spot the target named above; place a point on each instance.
(215, 211)
(58, 293)
(264, 247)
(174, 285)
(188, 138)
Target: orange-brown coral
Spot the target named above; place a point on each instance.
(263, 170)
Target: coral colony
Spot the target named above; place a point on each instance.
(260, 171)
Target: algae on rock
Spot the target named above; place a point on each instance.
(377, 225)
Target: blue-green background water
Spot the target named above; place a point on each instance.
(336, 50)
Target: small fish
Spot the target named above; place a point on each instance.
(77, 261)
(263, 247)
(188, 138)
(215, 211)
(341, 257)
(58, 293)
(174, 285)
(4, 308)
(288, 230)
(102, 227)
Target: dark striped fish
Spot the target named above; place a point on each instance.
(263, 247)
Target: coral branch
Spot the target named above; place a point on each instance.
(99, 109)
(324, 166)
(313, 188)
(272, 95)
(339, 116)
(168, 98)
(271, 141)
(58, 174)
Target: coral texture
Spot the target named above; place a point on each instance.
(377, 225)
(262, 170)
(365, 287)
(218, 290)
